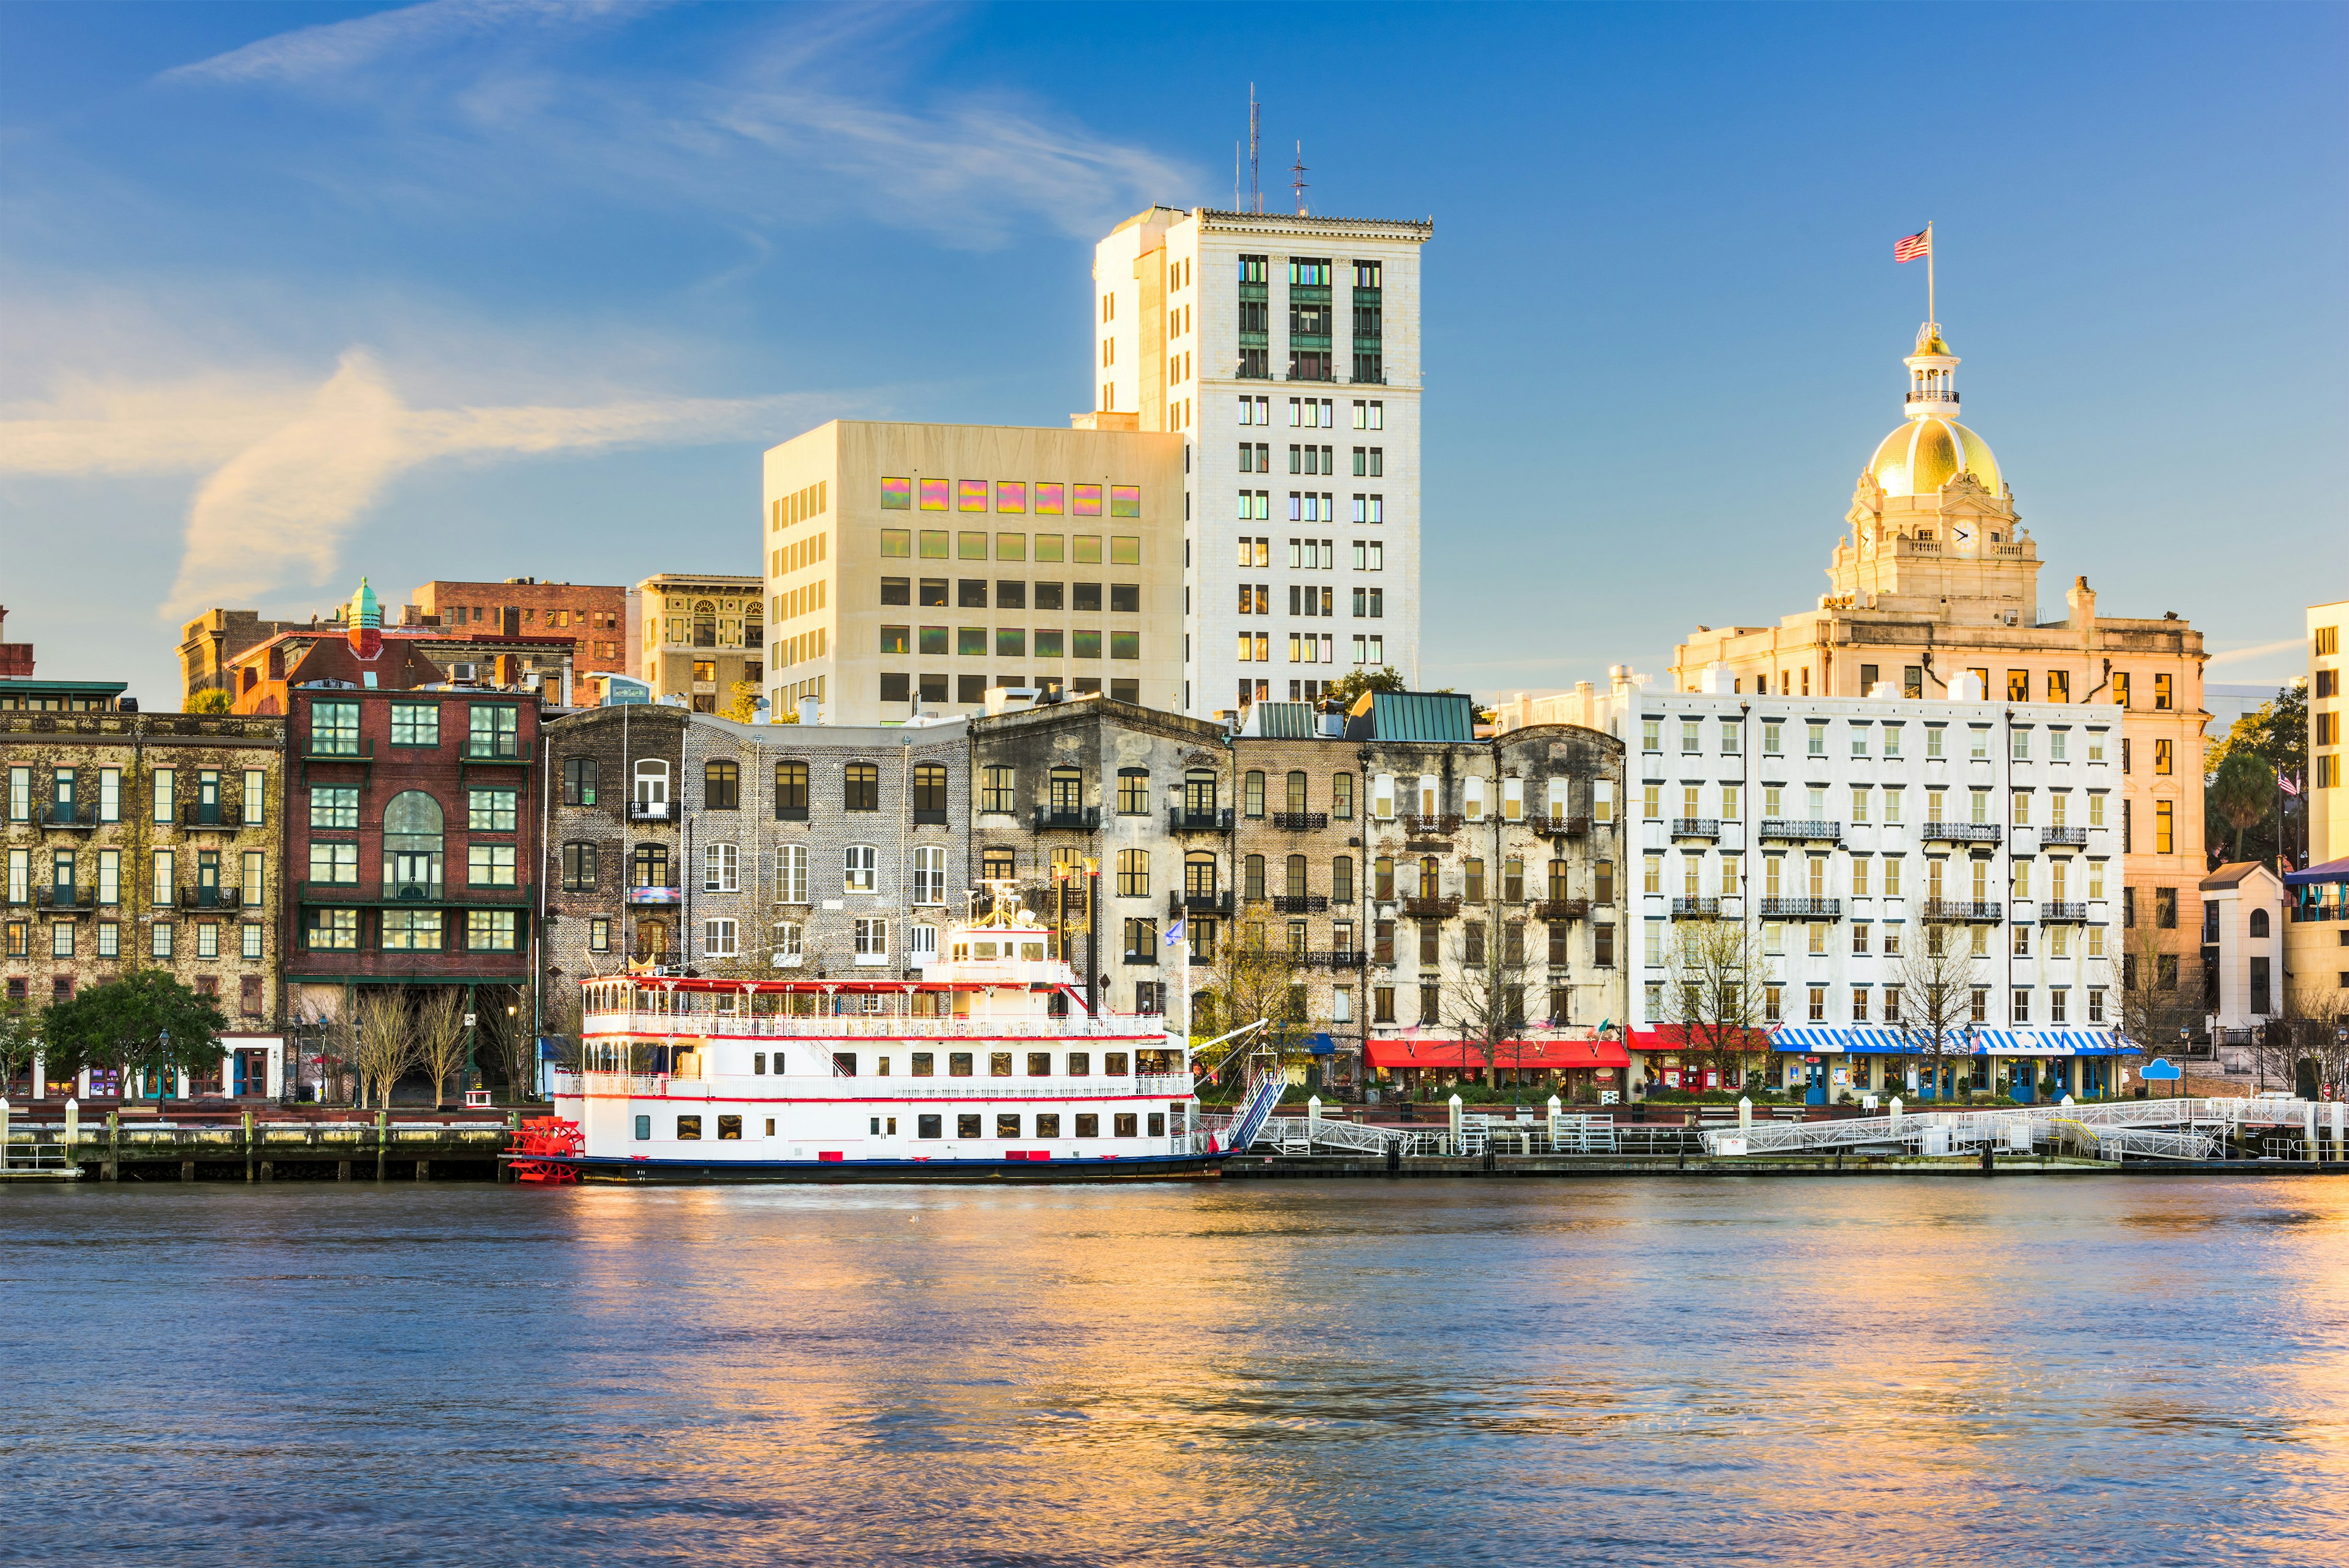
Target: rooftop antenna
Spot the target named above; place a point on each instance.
(1255, 182)
(1298, 169)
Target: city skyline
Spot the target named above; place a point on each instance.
(464, 289)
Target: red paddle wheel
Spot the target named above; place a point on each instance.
(543, 1148)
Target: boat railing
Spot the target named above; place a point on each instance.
(739, 1025)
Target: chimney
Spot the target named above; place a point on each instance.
(2081, 601)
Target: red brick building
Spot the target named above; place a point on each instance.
(593, 614)
(412, 827)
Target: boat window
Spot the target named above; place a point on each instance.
(843, 1063)
(892, 1126)
(962, 952)
(1088, 1125)
(644, 1128)
(986, 949)
(999, 1063)
(731, 1127)
(1125, 1122)
(958, 1064)
(966, 1126)
(927, 1126)
(1039, 1064)
(881, 1067)
(1080, 1063)
(759, 1063)
(689, 1128)
(1047, 1124)
(1032, 952)
(925, 1066)
(1157, 1124)
(1007, 1123)
(1113, 1064)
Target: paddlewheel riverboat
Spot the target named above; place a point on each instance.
(988, 1067)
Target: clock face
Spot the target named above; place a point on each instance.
(1963, 536)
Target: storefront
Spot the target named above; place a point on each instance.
(1586, 1069)
(2029, 1065)
(1672, 1060)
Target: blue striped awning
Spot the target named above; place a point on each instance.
(1862, 1040)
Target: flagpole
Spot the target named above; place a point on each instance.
(1930, 306)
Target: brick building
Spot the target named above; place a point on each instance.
(414, 833)
(149, 841)
(594, 614)
(539, 663)
(698, 636)
(211, 644)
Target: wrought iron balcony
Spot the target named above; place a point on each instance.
(1961, 833)
(649, 811)
(1696, 828)
(1912, 398)
(1044, 899)
(496, 749)
(1300, 820)
(200, 898)
(1801, 908)
(1562, 909)
(1299, 903)
(1566, 826)
(655, 890)
(1965, 911)
(222, 814)
(1181, 903)
(336, 749)
(65, 899)
(1077, 819)
(1801, 830)
(2060, 912)
(2077, 838)
(1345, 959)
(1435, 909)
(1696, 908)
(1180, 819)
(76, 817)
(1430, 826)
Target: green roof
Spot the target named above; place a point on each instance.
(1284, 721)
(1422, 716)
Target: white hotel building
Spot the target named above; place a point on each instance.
(1835, 828)
(1286, 349)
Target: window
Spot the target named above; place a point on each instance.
(578, 867)
(721, 870)
(721, 786)
(929, 874)
(719, 940)
(331, 930)
(861, 787)
(1134, 792)
(490, 865)
(599, 936)
(166, 780)
(158, 942)
(249, 943)
(578, 781)
(2164, 815)
(995, 791)
(860, 870)
(415, 723)
(334, 805)
(333, 863)
(929, 792)
(493, 730)
(335, 729)
(490, 930)
(489, 810)
(411, 930)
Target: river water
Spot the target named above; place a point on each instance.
(1696, 1371)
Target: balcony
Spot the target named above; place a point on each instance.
(926, 816)
(648, 811)
(1696, 828)
(496, 749)
(338, 749)
(1044, 899)
(1696, 908)
(1801, 908)
(1180, 819)
(1560, 826)
(1800, 830)
(1430, 826)
(2072, 837)
(1432, 908)
(1199, 903)
(1349, 958)
(220, 814)
(1965, 911)
(409, 894)
(2057, 913)
(1072, 819)
(212, 897)
(1556, 909)
(79, 818)
(1913, 399)
(1299, 903)
(65, 897)
(1983, 833)
(655, 890)
(1300, 820)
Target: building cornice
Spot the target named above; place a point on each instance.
(1291, 224)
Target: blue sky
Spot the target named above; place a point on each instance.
(500, 287)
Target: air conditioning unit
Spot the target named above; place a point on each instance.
(464, 672)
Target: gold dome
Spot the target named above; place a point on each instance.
(1926, 454)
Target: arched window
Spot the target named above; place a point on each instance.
(1134, 873)
(1252, 872)
(1297, 791)
(787, 951)
(1199, 874)
(704, 625)
(861, 787)
(721, 868)
(1199, 793)
(1252, 793)
(648, 866)
(859, 869)
(721, 786)
(411, 846)
(1296, 873)
(929, 792)
(1068, 796)
(929, 874)
(650, 800)
(1134, 792)
(791, 874)
(2259, 923)
(790, 791)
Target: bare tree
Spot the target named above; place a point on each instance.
(332, 1034)
(1931, 1000)
(1484, 995)
(1251, 981)
(2310, 1044)
(440, 1030)
(2161, 994)
(383, 1043)
(1715, 972)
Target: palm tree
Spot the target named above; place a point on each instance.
(2242, 791)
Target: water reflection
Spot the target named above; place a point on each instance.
(2010, 1371)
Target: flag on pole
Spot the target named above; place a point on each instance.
(1173, 933)
(2287, 784)
(1919, 243)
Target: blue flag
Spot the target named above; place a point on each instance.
(1173, 933)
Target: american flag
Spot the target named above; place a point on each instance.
(2286, 782)
(1917, 244)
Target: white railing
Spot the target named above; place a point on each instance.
(865, 1026)
(656, 1085)
(1973, 1128)
(1175, 1084)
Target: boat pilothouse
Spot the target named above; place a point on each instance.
(989, 1066)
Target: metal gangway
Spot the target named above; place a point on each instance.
(2190, 1128)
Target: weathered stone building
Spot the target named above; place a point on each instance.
(149, 840)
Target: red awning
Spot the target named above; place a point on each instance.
(1673, 1037)
(1509, 1056)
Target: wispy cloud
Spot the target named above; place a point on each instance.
(334, 48)
(2258, 650)
(290, 477)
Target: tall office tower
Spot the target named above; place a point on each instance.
(1284, 350)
